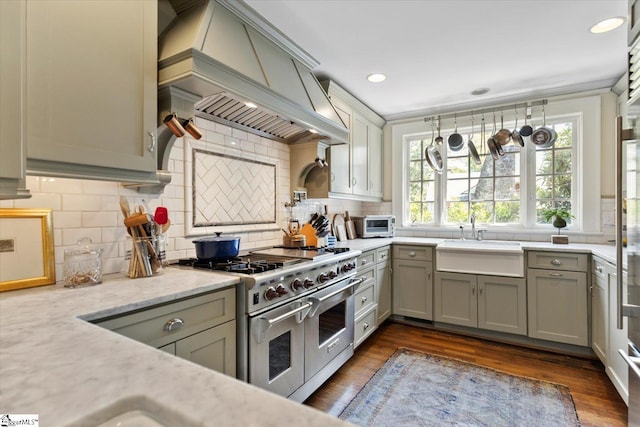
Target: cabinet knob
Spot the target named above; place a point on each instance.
(556, 262)
(173, 324)
(152, 146)
(364, 299)
(383, 256)
(412, 254)
(365, 326)
(599, 269)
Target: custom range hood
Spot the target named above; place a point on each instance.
(220, 60)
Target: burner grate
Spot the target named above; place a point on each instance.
(235, 265)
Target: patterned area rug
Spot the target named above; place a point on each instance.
(418, 389)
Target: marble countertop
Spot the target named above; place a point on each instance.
(72, 373)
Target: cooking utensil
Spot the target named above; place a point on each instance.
(491, 142)
(172, 122)
(211, 247)
(310, 234)
(161, 215)
(455, 140)
(472, 147)
(350, 226)
(191, 128)
(503, 136)
(544, 137)
(515, 135)
(526, 130)
(439, 139)
(432, 155)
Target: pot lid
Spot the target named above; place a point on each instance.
(216, 238)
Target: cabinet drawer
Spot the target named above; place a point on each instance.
(420, 253)
(366, 259)
(600, 268)
(153, 326)
(558, 261)
(365, 325)
(364, 297)
(383, 254)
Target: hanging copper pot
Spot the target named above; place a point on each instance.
(190, 127)
(172, 122)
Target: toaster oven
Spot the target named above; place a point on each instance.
(375, 225)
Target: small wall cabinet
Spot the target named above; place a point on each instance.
(83, 79)
(201, 329)
(413, 281)
(485, 302)
(356, 168)
(557, 297)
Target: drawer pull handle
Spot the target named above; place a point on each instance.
(365, 326)
(599, 269)
(412, 254)
(556, 262)
(555, 274)
(174, 324)
(383, 256)
(363, 262)
(364, 299)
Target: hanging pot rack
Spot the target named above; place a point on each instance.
(488, 110)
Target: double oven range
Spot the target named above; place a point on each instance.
(297, 327)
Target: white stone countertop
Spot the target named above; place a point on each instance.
(73, 373)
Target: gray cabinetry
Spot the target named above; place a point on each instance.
(201, 329)
(599, 308)
(373, 297)
(485, 302)
(383, 283)
(413, 281)
(356, 168)
(90, 89)
(617, 369)
(557, 297)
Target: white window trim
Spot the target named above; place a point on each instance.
(587, 156)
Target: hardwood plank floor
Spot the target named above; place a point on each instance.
(597, 401)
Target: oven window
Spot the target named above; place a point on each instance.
(279, 355)
(332, 322)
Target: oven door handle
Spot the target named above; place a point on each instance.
(264, 324)
(352, 285)
(633, 362)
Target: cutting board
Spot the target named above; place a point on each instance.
(339, 227)
(310, 234)
(350, 226)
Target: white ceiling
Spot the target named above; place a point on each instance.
(435, 52)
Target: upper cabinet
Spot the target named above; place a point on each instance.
(88, 89)
(356, 168)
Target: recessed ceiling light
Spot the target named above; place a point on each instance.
(313, 131)
(376, 78)
(250, 105)
(480, 91)
(607, 25)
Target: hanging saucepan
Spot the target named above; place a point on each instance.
(491, 142)
(455, 140)
(544, 137)
(515, 135)
(503, 136)
(217, 247)
(432, 154)
(439, 139)
(472, 147)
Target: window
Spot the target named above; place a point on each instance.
(511, 192)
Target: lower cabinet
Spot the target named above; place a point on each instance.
(617, 369)
(413, 281)
(599, 309)
(201, 329)
(486, 302)
(557, 303)
(383, 283)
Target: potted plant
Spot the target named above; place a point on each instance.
(560, 217)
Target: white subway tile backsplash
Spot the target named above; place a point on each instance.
(71, 236)
(81, 202)
(61, 185)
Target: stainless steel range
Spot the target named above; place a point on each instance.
(299, 311)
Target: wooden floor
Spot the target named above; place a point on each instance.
(596, 399)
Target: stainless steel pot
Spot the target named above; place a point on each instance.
(217, 247)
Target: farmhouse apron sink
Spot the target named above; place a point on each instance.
(491, 257)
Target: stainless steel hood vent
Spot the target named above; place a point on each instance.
(226, 55)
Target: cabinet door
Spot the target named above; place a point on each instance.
(599, 314)
(557, 306)
(617, 369)
(375, 161)
(359, 147)
(383, 290)
(91, 87)
(214, 348)
(502, 304)
(413, 288)
(455, 299)
(340, 155)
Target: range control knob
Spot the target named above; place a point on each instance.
(323, 277)
(296, 284)
(281, 290)
(333, 274)
(307, 283)
(271, 293)
(345, 268)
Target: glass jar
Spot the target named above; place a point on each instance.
(82, 265)
(145, 259)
